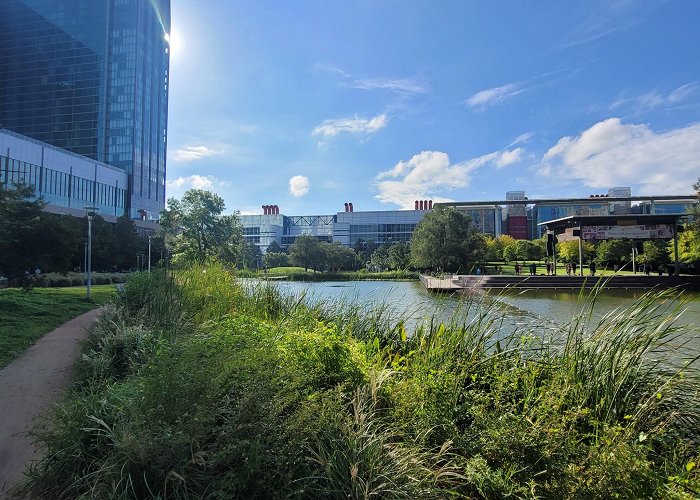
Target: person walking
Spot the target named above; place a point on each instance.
(591, 268)
(568, 268)
(573, 268)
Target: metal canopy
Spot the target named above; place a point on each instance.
(611, 220)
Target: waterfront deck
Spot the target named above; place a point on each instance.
(454, 283)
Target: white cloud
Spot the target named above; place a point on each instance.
(330, 128)
(611, 153)
(654, 99)
(403, 85)
(431, 172)
(494, 95)
(299, 185)
(196, 182)
(191, 153)
(522, 138)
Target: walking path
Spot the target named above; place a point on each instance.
(29, 386)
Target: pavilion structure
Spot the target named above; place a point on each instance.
(637, 227)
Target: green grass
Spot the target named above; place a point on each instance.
(26, 316)
(509, 269)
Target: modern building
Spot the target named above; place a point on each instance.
(620, 207)
(618, 201)
(91, 77)
(66, 181)
(517, 216)
(350, 228)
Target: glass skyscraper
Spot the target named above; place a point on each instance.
(91, 77)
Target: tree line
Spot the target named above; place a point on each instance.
(31, 239)
(195, 229)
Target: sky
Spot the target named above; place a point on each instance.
(311, 104)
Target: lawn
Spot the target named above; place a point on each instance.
(26, 316)
(509, 268)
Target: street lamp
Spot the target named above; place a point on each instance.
(149, 252)
(91, 212)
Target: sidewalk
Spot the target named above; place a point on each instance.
(29, 386)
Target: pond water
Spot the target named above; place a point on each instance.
(411, 301)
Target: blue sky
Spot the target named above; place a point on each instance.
(310, 104)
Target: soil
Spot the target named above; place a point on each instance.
(29, 386)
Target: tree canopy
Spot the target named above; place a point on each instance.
(195, 228)
(306, 252)
(446, 240)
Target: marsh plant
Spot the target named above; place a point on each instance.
(196, 386)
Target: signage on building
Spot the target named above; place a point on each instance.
(632, 232)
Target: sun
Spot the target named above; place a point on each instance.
(174, 43)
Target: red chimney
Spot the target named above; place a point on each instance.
(416, 205)
(430, 204)
(274, 209)
(264, 209)
(277, 209)
(350, 206)
(346, 207)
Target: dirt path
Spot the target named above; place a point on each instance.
(31, 384)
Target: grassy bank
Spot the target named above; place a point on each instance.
(193, 387)
(26, 316)
(299, 274)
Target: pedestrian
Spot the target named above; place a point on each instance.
(591, 268)
(573, 268)
(647, 269)
(568, 268)
(533, 269)
(549, 268)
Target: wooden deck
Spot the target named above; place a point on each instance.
(456, 283)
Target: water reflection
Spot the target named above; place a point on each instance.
(521, 308)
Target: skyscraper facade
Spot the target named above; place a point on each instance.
(91, 77)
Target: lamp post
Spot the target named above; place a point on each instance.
(149, 253)
(91, 212)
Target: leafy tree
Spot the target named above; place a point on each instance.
(688, 247)
(522, 250)
(380, 258)
(496, 246)
(337, 257)
(614, 252)
(655, 252)
(568, 250)
(126, 244)
(446, 239)
(20, 216)
(365, 249)
(195, 228)
(400, 255)
(274, 247)
(275, 259)
(249, 256)
(306, 252)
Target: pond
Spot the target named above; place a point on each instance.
(410, 301)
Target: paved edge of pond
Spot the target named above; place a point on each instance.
(29, 386)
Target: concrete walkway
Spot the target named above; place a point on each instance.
(29, 386)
